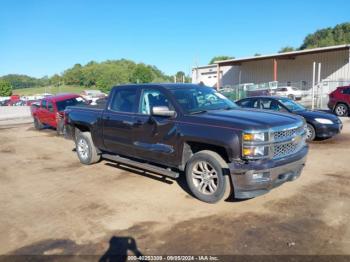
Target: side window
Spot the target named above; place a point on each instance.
(250, 103)
(346, 91)
(124, 100)
(269, 104)
(50, 106)
(43, 104)
(151, 98)
(265, 104)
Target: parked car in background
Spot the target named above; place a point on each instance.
(170, 128)
(289, 91)
(4, 102)
(339, 101)
(319, 124)
(50, 110)
(93, 95)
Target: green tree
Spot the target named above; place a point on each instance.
(180, 76)
(5, 88)
(340, 34)
(257, 54)
(220, 58)
(55, 80)
(286, 49)
(141, 74)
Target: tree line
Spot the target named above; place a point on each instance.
(337, 35)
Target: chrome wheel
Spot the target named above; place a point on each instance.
(205, 178)
(83, 148)
(341, 110)
(309, 133)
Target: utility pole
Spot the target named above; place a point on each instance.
(313, 86)
(319, 84)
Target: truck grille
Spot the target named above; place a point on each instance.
(291, 141)
(284, 150)
(285, 134)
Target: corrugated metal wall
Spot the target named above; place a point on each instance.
(335, 67)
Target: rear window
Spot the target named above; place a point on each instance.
(124, 100)
(61, 105)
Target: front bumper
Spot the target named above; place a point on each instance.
(259, 177)
(324, 131)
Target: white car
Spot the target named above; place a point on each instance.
(93, 95)
(290, 92)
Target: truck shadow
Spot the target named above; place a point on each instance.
(181, 181)
(141, 172)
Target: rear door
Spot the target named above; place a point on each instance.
(119, 119)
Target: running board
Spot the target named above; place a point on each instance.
(143, 166)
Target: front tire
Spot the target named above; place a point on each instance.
(86, 150)
(205, 176)
(310, 133)
(341, 110)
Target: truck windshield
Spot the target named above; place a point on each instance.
(61, 105)
(201, 99)
(291, 105)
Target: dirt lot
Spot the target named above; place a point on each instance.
(51, 204)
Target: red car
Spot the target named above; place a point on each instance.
(339, 101)
(49, 110)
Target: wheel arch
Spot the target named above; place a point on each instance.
(192, 147)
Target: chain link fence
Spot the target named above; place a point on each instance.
(299, 91)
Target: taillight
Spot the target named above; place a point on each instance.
(59, 116)
(65, 117)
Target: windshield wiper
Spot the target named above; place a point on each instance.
(198, 112)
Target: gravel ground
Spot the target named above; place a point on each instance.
(51, 204)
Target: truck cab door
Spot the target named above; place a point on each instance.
(51, 115)
(118, 121)
(155, 137)
(42, 111)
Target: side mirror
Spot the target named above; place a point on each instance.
(162, 111)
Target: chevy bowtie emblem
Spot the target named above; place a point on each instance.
(296, 140)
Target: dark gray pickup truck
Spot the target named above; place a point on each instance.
(170, 129)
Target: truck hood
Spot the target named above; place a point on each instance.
(248, 119)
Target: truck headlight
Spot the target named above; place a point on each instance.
(324, 121)
(255, 137)
(255, 152)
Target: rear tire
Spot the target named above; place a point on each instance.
(37, 124)
(341, 110)
(310, 133)
(86, 150)
(206, 178)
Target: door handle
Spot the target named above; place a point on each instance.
(138, 123)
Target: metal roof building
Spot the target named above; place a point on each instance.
(290, 68)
